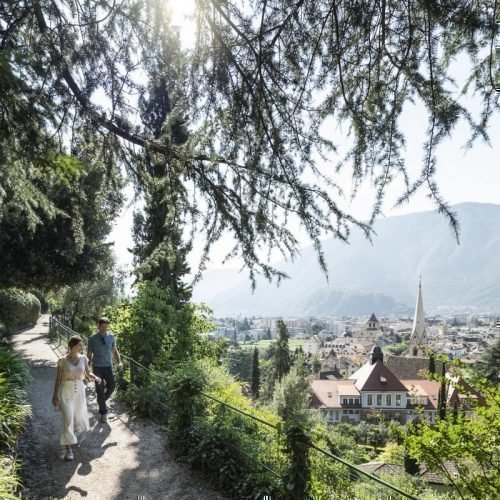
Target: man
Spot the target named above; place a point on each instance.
(101, 346)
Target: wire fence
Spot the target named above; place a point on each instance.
(354, 482)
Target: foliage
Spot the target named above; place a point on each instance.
(343, 444)
(282, 354)
(432, 364)
(18, 308)
(292, 395)
(392, 454)
(55, 217)
(145, 393)
(239, 363)
(84, 302)
(14, 379)
(469, 441)
(297, 445)
(443, 392)
(9, 481)
(255, 385)
(397, 349)
(232, 445)
(152, 330)
(258, 93)
(160, 250)
(410, 484)
(185, 385)
(489, 366)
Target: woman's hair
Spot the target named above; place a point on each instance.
(74, 340)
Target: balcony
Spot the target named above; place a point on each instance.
(350, 403)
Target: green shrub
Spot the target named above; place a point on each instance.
(9, 481)
(18, 309)
(14, 378)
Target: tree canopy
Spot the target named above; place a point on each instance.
(240, 130)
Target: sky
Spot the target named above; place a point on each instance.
(462, 176)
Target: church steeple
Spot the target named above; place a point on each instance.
(418, 339)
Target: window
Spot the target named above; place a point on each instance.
(379, 399)
(398, 399)
(388, 400)
(351, 401)
(356, 401)
(330, 394)
(369, 400)
(344, 401)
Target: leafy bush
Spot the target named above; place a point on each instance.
(145, 393)
(14, 378)
(233, 448)
(393, 454)
(18, 308)
(153, 331)
(9, 480)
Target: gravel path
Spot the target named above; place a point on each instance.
(126, 458)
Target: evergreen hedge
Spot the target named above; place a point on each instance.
(18, 309)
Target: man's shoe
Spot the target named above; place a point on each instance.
(69, 454)
(104, 419)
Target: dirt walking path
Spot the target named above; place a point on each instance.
(124, 459)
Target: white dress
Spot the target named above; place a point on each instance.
(72, 400)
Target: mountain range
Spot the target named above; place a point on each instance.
(380, 276)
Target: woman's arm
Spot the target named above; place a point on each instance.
(89, 374)
(55, 397)
(90, 354)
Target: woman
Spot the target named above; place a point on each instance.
(69, 393)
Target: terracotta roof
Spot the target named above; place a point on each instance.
(376, 377)
(429, 388)
(326, 393)
(411, 367)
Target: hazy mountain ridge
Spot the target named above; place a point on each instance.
(381, 277)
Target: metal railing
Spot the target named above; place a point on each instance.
(363, 485)
(59, 332)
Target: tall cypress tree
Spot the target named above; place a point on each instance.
(282, 355)
(442, 399)
(160, 252)
(432, 364)
(255, 387)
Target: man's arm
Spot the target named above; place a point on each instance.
(117, 356)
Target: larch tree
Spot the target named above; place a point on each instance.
(263, 81)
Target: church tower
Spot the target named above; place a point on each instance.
(418, 339)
